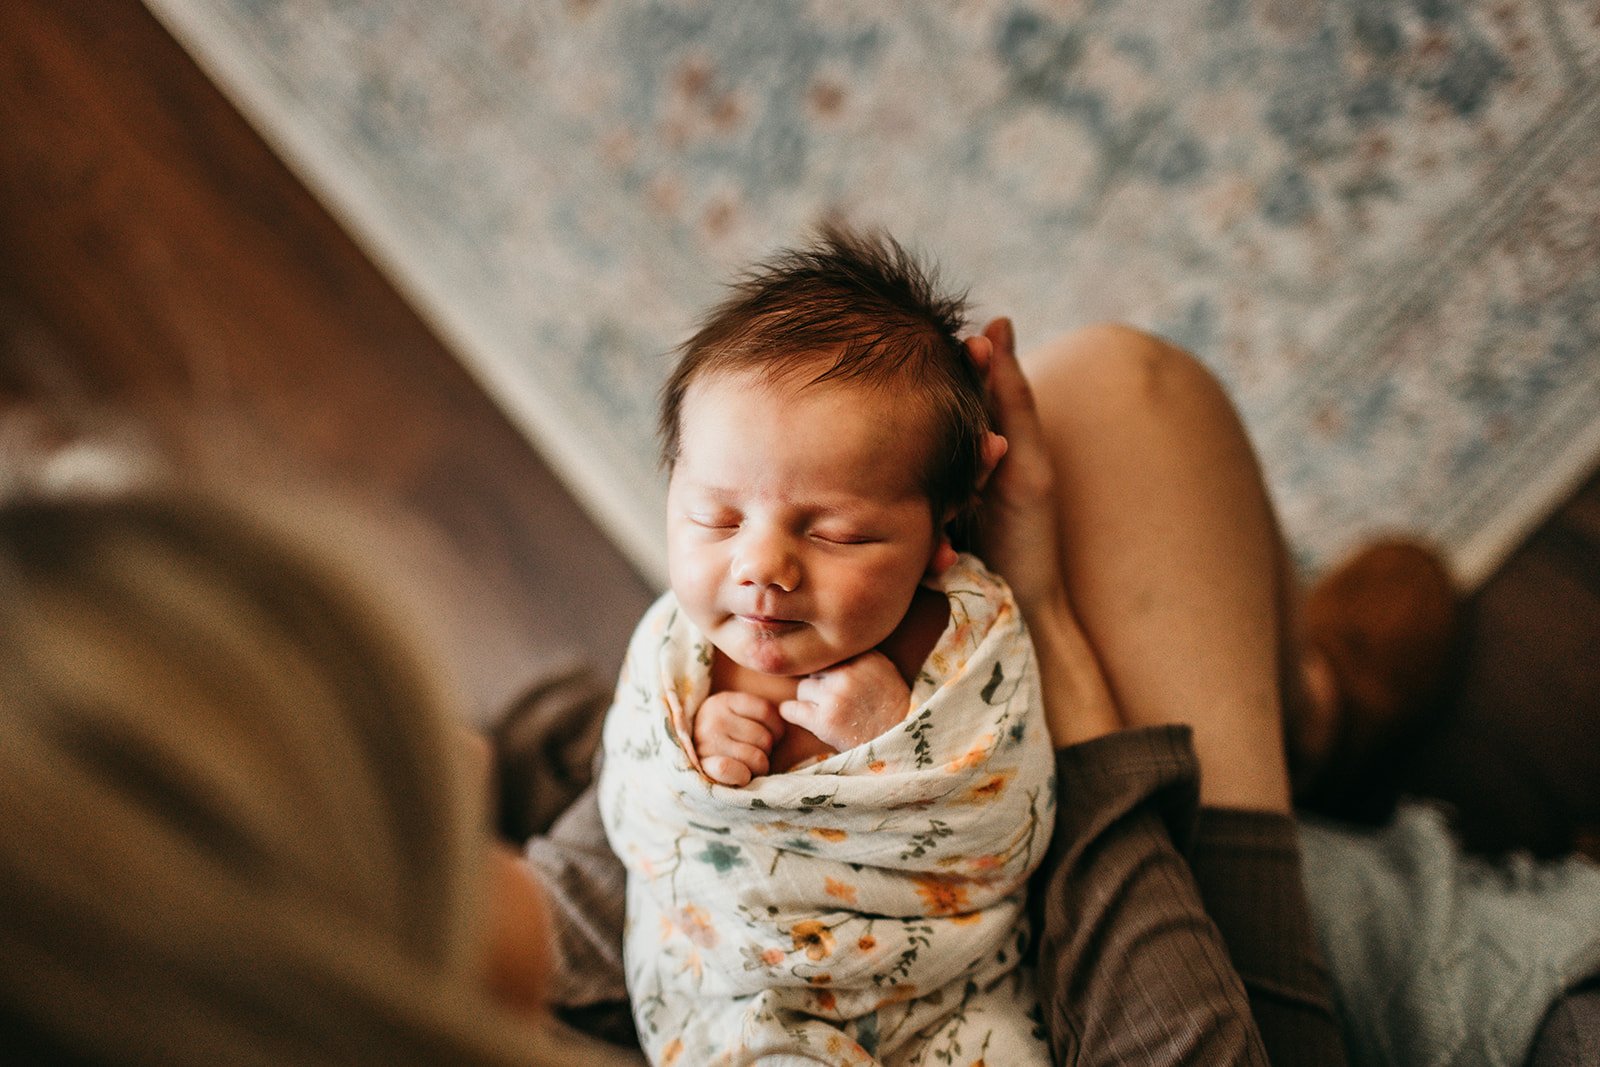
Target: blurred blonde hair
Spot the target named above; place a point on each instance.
(237, 823)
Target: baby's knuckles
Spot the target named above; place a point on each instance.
(730, 752)
(721, 716)
(853, 703)
(728, 771)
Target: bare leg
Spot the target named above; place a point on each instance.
(1172, 553)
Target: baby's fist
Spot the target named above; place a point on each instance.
(852, 702)
(733, 735)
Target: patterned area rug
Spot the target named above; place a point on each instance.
(1377, 221)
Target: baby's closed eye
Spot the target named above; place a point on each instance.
(840, 536)
(715, 520)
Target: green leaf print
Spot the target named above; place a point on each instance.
(722, 856)
(918, 728)
(865, 1032)
(992, 684)
(920, 844)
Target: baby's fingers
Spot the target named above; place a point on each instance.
(801, 712)
(763, 715)
(725, 770)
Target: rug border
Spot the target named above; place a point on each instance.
(607, 490)
(334, 180)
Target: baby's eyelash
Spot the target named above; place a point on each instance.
(715, 522)
(844, 539)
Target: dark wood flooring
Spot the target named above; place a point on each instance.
(157, 259)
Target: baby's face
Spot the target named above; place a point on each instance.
(797, 528)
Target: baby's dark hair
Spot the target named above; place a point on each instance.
(851, 307)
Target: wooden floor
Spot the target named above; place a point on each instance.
(156, 258)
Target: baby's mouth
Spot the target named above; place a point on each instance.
(770, 624)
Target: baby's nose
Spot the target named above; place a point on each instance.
(767, 558)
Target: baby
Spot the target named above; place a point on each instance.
(826, 767)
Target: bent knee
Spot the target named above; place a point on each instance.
(1120, 366)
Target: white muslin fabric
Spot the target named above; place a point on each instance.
(866, 908)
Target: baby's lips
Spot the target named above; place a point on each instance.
(772, 626)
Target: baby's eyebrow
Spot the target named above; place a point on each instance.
(717, 493)
(835, 505)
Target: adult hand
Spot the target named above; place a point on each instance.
(1019, 538)
(734, 734)
(1018, 535)
(850, 703)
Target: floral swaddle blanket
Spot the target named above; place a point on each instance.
(864, 908)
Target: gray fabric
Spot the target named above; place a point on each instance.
(1439, 958)
(1132, 970)
(1248, 869)
(1570, 1034)
(584, 881)
(544, 748)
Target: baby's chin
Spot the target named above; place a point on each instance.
(777, 663)
(772, 658)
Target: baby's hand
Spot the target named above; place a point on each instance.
(734, 733)
(850, 703)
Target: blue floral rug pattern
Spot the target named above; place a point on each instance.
(1379, 222)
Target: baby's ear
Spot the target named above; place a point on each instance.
(944, 553)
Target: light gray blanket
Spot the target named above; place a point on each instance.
(1439, 958)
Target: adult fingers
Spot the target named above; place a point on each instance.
(1000, 333)
(1015, 411)
(980, 348)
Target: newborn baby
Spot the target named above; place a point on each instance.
(826, 767)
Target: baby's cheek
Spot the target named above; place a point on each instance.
(694, 573)
(873, 604)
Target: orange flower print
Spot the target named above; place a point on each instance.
(839, 890)
(867, 943)
(670, 1054)
(812, 938)
(942, 897)
(897, 995)
(828, 833)
(961, 636)
(826, 1001)
(877, 766)
(973, 756)
(773, 956)
(847, 1053)
(697, 926)
(990, 788)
